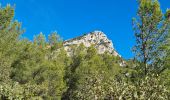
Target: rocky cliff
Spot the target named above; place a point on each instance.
(96, 38)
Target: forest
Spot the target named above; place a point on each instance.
(42, 70)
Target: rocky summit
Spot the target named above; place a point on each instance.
(96, 38)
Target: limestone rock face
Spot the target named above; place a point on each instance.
(96, 38)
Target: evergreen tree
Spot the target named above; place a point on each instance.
(150, 31)
(55, 41)
(9, 32)
(166, 49)
(40, 40)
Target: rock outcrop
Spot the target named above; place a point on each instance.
(96, 38)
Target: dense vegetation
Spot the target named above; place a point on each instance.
(41, 69)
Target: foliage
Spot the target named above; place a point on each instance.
(151, 28)
(149, 88)
(43, 70)
(88, 71)
(167, 15)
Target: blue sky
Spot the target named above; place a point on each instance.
(71, 18)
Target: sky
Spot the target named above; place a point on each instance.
(72, 18)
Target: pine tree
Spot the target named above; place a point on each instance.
(40, 40)
(55, 41)
(166, 49)
(9, 32)
(150, 29)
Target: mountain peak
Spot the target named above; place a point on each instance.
(96, 38)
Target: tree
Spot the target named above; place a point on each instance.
(166, 46)
(150, 29)
(89, 73)
(166, 49)
(55, 41)
(40, 40)
(77, 56)
(40, 70)
(9, 32)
